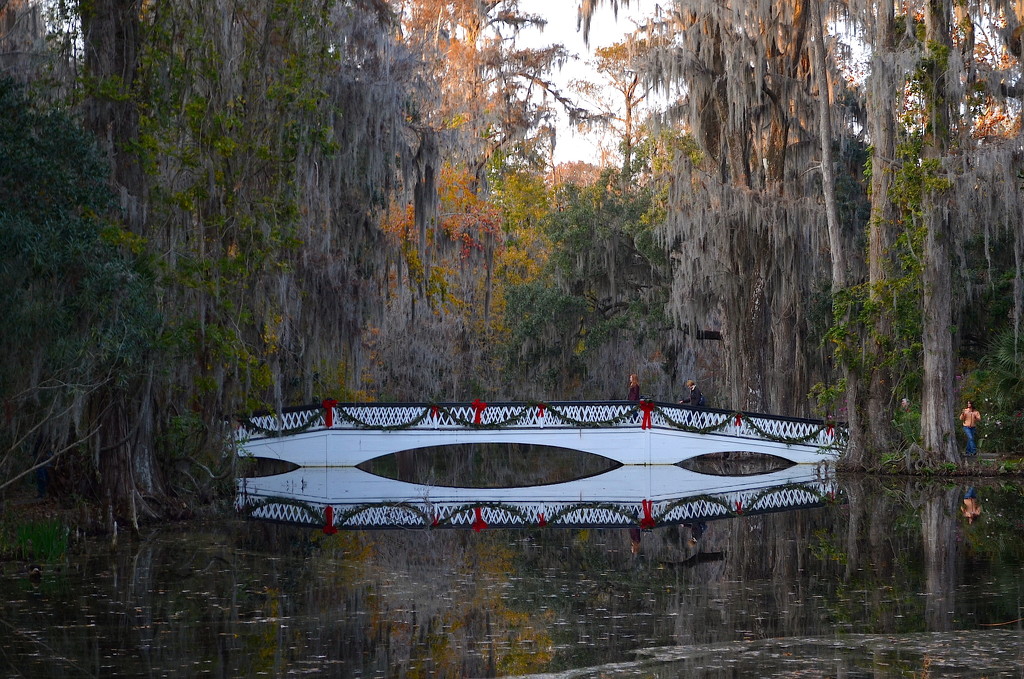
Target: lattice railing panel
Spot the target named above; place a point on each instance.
(530, 416)
(526, 514)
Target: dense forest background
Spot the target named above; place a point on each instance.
(208, 208)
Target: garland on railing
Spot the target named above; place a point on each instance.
(643, 411)
(435, 412)
(737, 508)
(829, 427)
(273, 433)
(315, 516)
(345, 516)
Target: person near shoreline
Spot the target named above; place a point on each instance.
(970, 417)
(972, 507)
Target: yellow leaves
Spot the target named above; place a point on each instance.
(271, 333)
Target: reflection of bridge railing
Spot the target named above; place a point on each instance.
(627, 497)
(559, 414)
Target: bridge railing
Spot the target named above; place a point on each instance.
(561, 414)
(568, 513)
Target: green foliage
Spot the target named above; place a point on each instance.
(908, 425)
(828, 396)
(541, 320)
(894, 303)
(220, 145)
(608, 273)
(997, 388)
(78, 309)
(44, 540)
(824, 548)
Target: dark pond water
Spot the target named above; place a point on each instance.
(889, 581)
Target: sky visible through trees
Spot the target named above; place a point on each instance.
(574, 144)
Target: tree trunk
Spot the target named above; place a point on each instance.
(828, 181)
(937, 407)
(110, 30)
(881, 93)
(937, 399)
(125, 458)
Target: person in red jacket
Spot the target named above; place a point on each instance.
(634, 388)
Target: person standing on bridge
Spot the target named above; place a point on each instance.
(634, 388)
(694, 398)
(970, 417)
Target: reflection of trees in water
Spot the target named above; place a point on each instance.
(488, 465)
(902, 540)
(438, 605)
(939, 511)
(251, 597)
(738, 463)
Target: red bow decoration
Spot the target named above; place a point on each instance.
(329, 528)
(830, 431)
(540, 410)
(648, 520)
(541, 521)
(739, 506)
(478, 409)
(434, 523)
(646, 407)
(479, 524)
(328, 404)
(739, 420)
(434, 412)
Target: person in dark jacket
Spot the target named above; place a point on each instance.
(694, 398)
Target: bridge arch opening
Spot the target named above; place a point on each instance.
(251, 467)
(735, 463)
(489, 465)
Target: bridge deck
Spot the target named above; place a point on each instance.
(648, 433)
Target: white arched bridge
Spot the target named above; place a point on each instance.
(333, 434)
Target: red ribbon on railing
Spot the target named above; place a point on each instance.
(646, 407)
(435, 522)
(478, 409)
(739, 506)
(648, 520)
(739, 420)
(830, 431)
(434, 412)
(329, 528)
(540, 409)
(328, 404)
(479, 524)
(541, 521)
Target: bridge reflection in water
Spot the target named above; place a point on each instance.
(627, 496)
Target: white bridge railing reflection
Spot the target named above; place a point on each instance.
(645, 433)
(348, 498)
